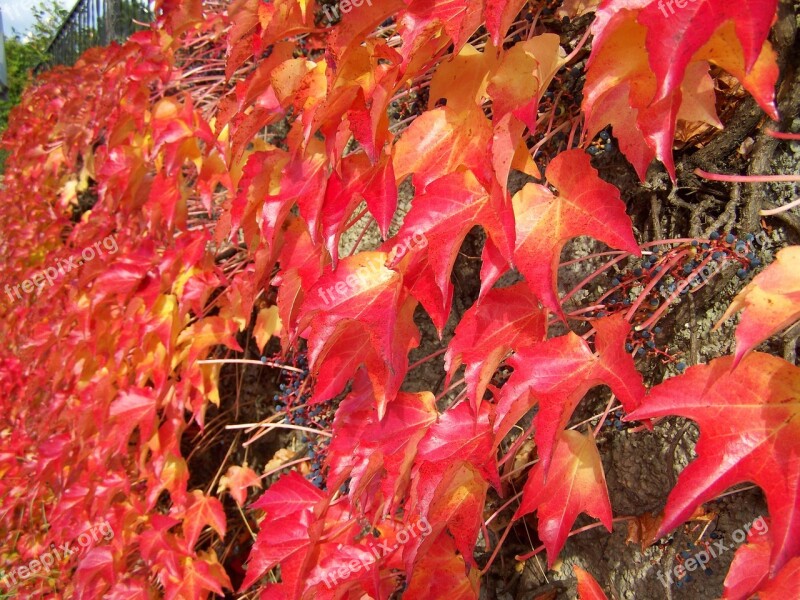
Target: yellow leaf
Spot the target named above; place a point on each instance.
(268, 323)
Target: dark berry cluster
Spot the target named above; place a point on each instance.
(614, 420)
(692, 550)
(602, 143)
(644, 290)
(292, 401)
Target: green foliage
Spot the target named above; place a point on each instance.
(25, 51)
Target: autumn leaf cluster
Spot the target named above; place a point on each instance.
(263, 129)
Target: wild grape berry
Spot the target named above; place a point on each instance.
(263, 359)
(714, 235)
(741, 273)
(730, 238)
(681, 366)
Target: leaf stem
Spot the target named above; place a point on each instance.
(533, 553)
(502, 508)
(425, 359)
(783, 136)
(747, 178)
(279, 426)
(247, 361)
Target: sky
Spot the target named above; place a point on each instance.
(17, 14)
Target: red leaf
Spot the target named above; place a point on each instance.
(675, 35)
(749, 568)
(443, 215)
(359, 314)
(649, 57)
(453, 498)
(785, 584)
(359, 180)
(442, 573)
(523, 76)
(198, 577)
(574, 484)
(749, 431)
(377, 454)
(588, 588)
(585, 205)
(557, 373)
(284, 533)
(505, 319)
(459, 19)
(203, 510)
(459, 435)
(441, 140)
(499, 15)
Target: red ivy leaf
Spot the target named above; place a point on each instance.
(749, 423)
(588, 588)
(574, 484)
(584, 205)
(557, 373)
(505, 319)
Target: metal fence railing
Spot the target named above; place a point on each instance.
(95, 23)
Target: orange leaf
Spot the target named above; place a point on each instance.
(575, 484)
(770, 303)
